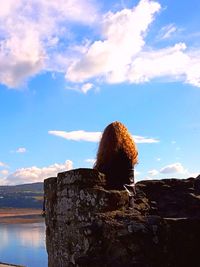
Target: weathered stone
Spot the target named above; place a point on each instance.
(87, 225)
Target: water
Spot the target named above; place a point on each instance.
(23, 244)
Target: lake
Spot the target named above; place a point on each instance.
(23, 244)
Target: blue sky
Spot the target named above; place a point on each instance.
(69, 68)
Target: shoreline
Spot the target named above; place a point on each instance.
(20, 215)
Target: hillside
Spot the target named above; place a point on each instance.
(22, 196)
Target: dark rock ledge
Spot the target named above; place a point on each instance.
(87, 225)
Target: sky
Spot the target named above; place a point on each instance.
(68, 68)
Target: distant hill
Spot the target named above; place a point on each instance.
(33, 187)
(22, 196)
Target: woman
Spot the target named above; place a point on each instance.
(116, 157)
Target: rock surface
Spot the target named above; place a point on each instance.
(87, 225)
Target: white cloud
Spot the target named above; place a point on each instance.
(82, 135)
(124, 56)
(173, 168)
(2, 164)
(31, 32)
(21, 150)
(172, 62)
(36, 36)
(167, 31)
(153, 172)
(84, 88)
(90, 161)
(78, 135)
(141, 140)
(123, 34)
(4, 172)
(7, 7)
(21, 54)
(35, 174)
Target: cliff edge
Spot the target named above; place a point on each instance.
(87, 225)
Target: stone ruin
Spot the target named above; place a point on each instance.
(89, 226)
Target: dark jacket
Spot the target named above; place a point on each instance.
(118, 171)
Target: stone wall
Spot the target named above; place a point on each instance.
(87, 225)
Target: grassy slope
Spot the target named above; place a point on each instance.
(22, 196)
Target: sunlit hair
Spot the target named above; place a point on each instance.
(115, 138)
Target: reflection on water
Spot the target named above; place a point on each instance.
(23, 244)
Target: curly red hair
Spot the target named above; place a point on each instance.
(115, 138)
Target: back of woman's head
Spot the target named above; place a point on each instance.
(115, 138)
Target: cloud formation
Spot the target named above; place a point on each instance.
(78, 135)
(145, 140)
(90, 161)
(173, 168)
(167, 31)
(84, 88)
(41, 35)
(124, 56)
(172, 62)
(123, 40)
(2, 164)
(35, 174)
(21, 150)
(31, 33)
(82, 135)
(4, 172)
